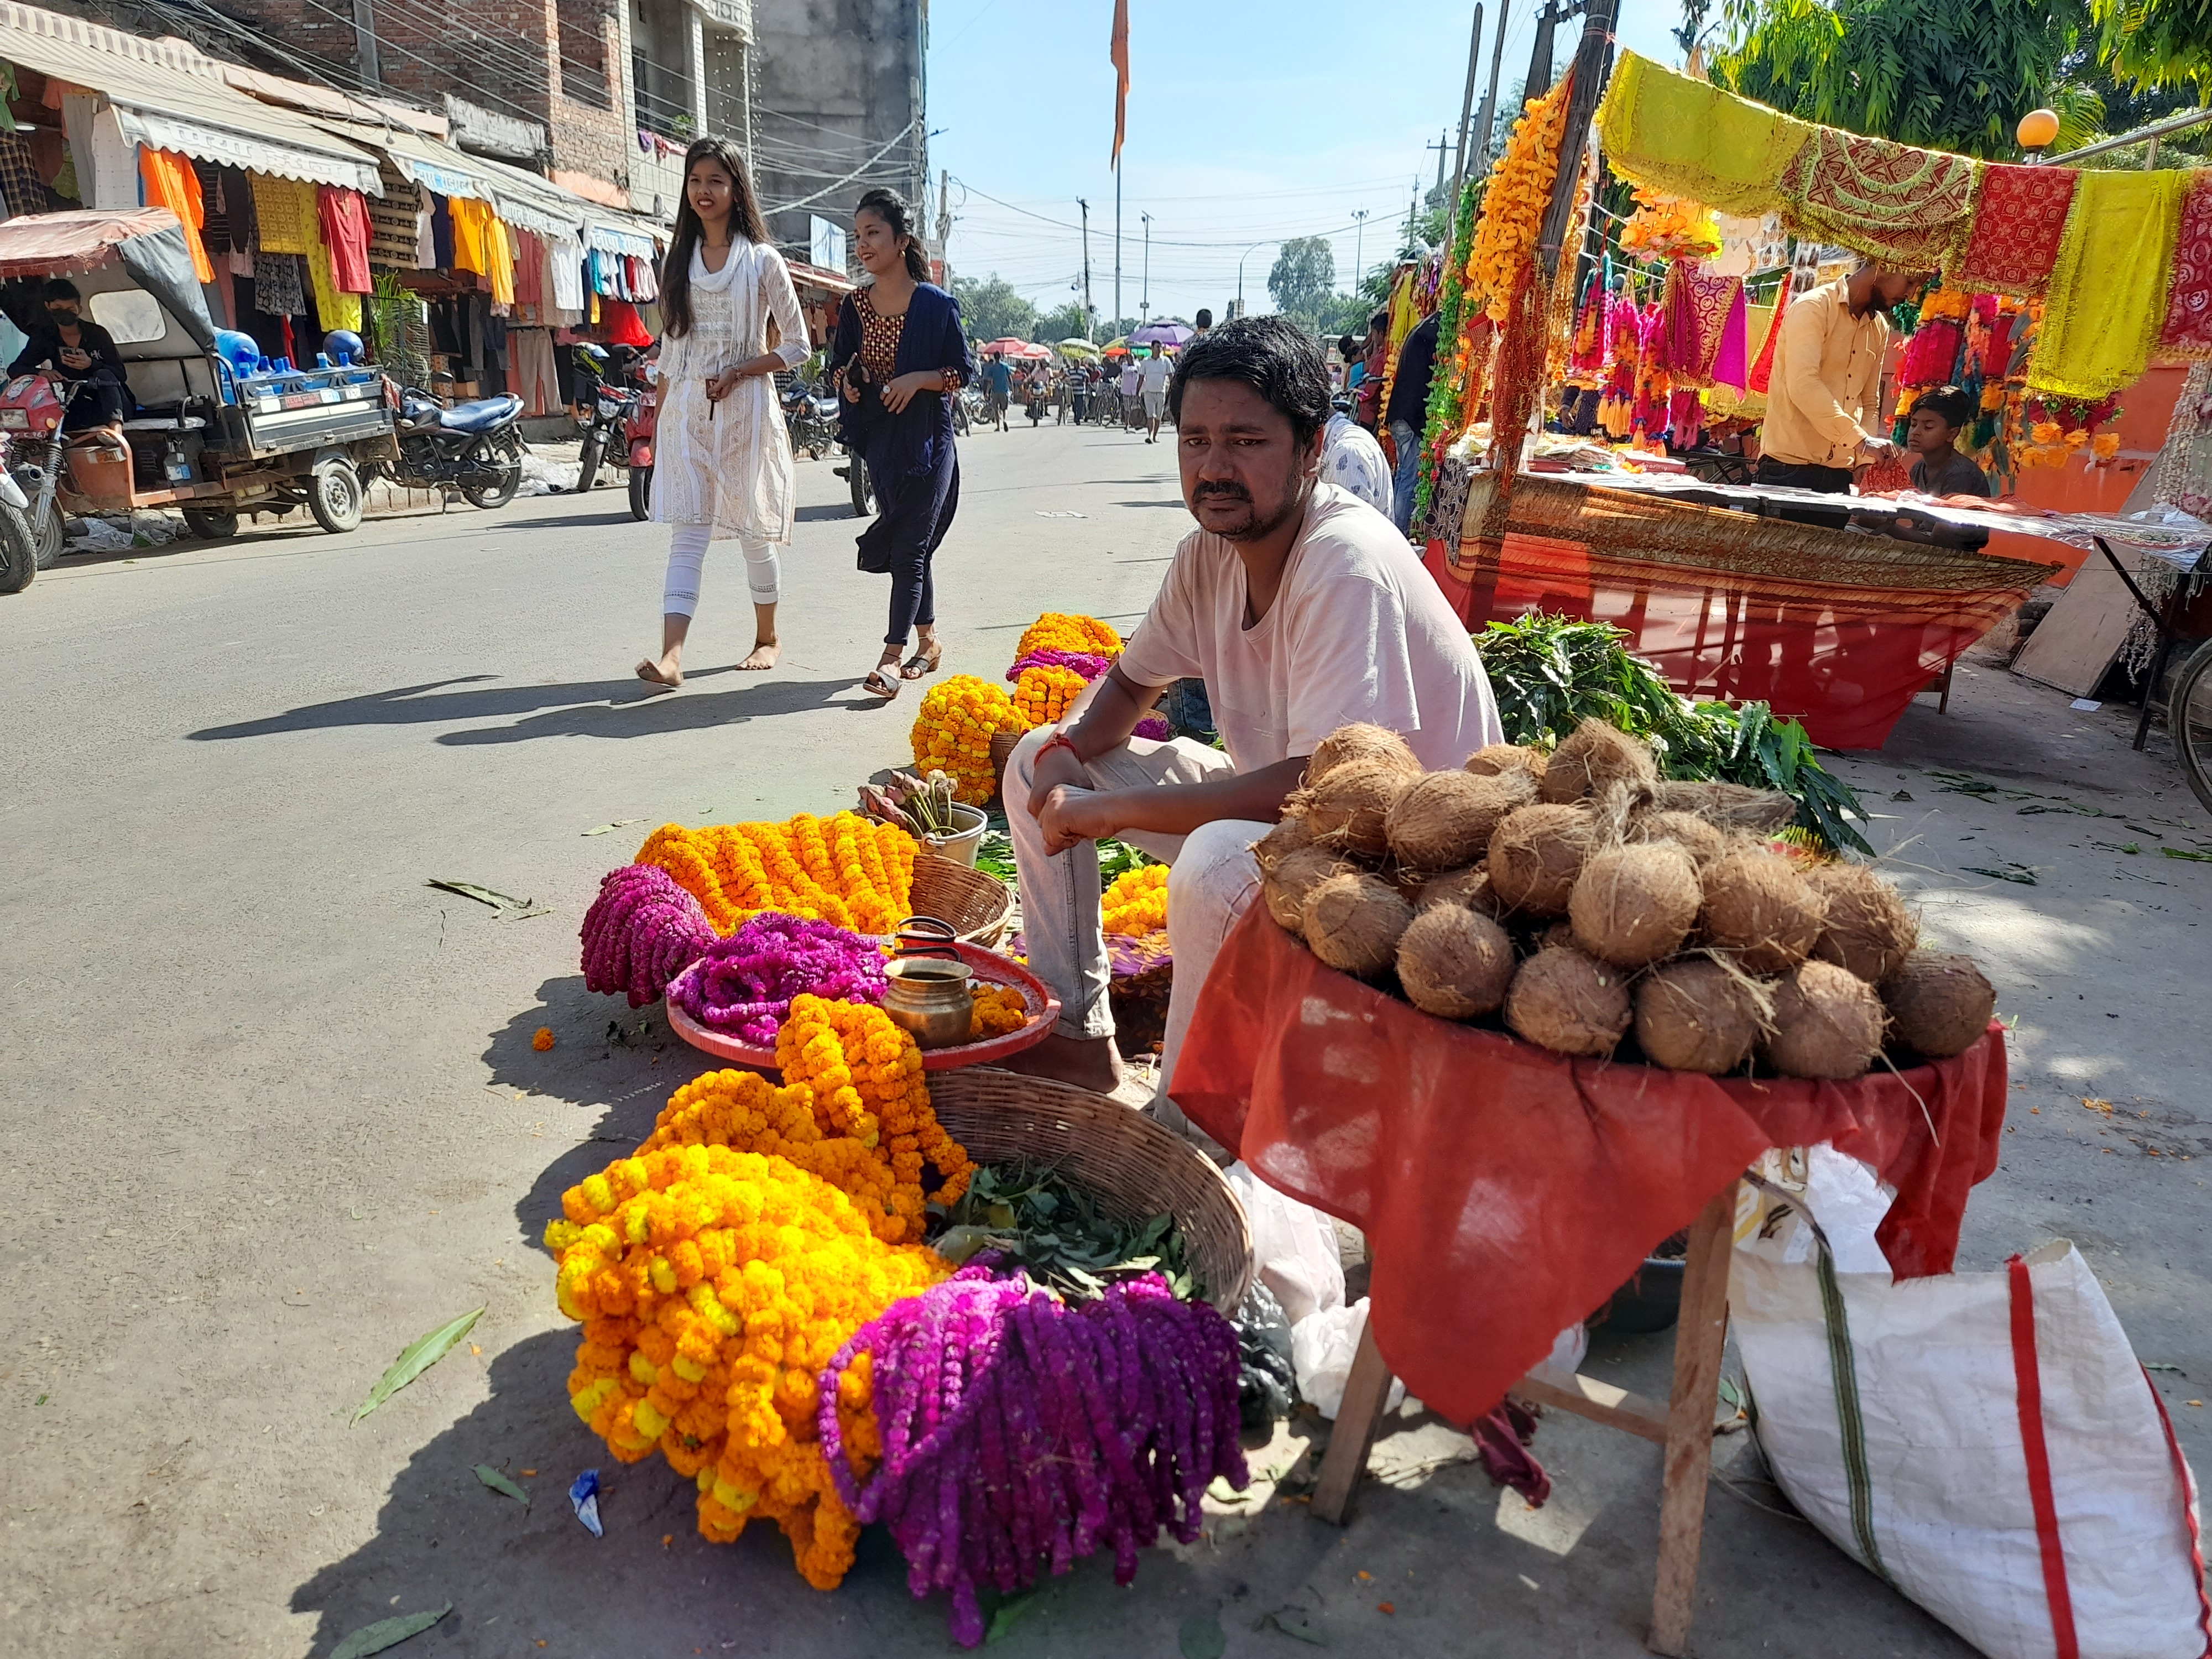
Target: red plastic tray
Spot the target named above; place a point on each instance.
(986, 968)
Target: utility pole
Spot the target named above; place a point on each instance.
(1145, 304)
(1087, 313)
(1465, 113)
(1359, 243)
(1442, 148)
(944, 220)
(1412, 210)
(364, 44)
(1117, 242)
(1490, 98)
(1540, 59)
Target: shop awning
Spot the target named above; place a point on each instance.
(608, 237)
(164, 99)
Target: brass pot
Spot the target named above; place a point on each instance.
(928, 996)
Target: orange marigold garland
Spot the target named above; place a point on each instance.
(1137, 902)
(1513, 210)
(1060, 630)
(952, 733)
(999, 1009)
(847, 870)
(1043, 693)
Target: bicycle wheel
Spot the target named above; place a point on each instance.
(2189, 717)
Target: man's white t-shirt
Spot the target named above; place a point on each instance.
(1358, 632)
(1153, 376)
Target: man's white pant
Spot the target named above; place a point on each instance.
(1212, 879)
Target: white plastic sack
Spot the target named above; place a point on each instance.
(1321, 1349)
(1294, 1249)
(1899, 1417)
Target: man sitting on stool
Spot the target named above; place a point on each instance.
(1303, 610)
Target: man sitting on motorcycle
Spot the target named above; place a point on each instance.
(82, 353)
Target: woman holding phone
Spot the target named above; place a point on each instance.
(899, 358)
(722, 462)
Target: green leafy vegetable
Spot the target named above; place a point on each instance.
(499, 1483)
(1053, 1229)
(1550, 673)
(388, 1633)
(415, 1359)
(1116, 859)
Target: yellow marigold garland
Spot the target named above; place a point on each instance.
(712, 1286)
(1043, 694)
(1137, 902)
(952, 733)
(1513, 207)
(847, 870)
(1060, 630)
(999, 1009)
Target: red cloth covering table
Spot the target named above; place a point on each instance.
(1505, 1192)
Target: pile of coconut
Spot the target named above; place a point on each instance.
(1584, 897)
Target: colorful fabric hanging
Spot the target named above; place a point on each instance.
(334, 307)
(1762, 371)
(171, 182)
(344, 217)
(1908, 209)
(1688, 137)
(280, 284)
(2186, 331)
(470, 220)
(285, 216)
(1699, 307)
(2020, 217)
(1731, 360)
(2108, 291)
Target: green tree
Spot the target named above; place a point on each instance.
(2157, 43)
(992, 310)
(1065, 323)
(1303, 277)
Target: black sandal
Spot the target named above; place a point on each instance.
(922, 663)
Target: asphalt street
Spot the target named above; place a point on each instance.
(273, 1110)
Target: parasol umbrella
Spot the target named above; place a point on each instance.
(1029, 351)
(1008, 346)
(1163, 331)
(1077, 347)
(1116, 347)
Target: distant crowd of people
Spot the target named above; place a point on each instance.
(1132, 392)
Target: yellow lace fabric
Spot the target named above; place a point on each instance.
(1910, 209)
(1685, 137)
(2108, 291)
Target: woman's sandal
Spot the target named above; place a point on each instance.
(922, 663)
(879, 685)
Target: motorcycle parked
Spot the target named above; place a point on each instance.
(475, 445)
(643, 422)
(612, 386)
(810, 413)
(19, 553)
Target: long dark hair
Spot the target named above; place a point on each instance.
(745, 220)
(894, 209)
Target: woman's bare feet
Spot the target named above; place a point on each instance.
(1091, 1063)
(665, 674)
(764, 653)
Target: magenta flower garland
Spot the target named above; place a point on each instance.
(1019, 1432)
(641, 931)
(1090, 666)
(744, 984)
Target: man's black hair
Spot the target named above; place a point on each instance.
(1275, 356)
(1952, 403)
(59, 288)
(1205, 318)
(1345, 346)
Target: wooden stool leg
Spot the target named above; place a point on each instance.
(1699, 1341)
(1366, 1392)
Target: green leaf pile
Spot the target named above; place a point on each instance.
(1053, 1229)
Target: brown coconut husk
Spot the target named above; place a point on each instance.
(1759, 908)
(1291, 833)
(1454, 963)
(1939, 1003)
(1349, 810)
(1866, 928)
(1353, 923)
(1635, 905)
(1495, 760)
(1570, 1003)
(1700, 840)
(1468, 889)
(1360, 742)
(1287, 885)
(1828, 1023)
(1594, 754)
(1699, 1015)
(1535, 855)
(1728, 805)
(1446, 819)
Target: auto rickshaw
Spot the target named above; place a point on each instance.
(211, 427)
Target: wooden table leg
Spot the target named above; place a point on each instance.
(1700, 1340)
(1366, 1392)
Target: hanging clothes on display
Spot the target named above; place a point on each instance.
(441, 234)
(333, 306)
(171, 182)
(280, 284)
(20, 178)
(284, 214)
(344, 218)
(620, 325)
(564, 270)
(534, 380)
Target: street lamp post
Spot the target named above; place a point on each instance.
(1145, 303)
(1241, 259)
(1359, 242)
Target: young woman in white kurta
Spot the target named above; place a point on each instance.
(723, 460)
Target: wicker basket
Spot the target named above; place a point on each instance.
(1002, 750)
(1136, 1168)
(977, 905)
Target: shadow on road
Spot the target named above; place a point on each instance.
(822, 510)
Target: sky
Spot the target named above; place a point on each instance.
(1250, 121)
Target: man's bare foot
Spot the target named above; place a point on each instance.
(1091, 1063)
(664, 673)
(764, 654)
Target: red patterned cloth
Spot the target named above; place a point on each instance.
(1907, 208)
(1762, 371)
(2019, 215)
(1505, 1191)
(2187, 331)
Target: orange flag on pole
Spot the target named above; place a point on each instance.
(1120, 53)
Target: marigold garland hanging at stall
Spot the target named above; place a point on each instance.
(1513, 210)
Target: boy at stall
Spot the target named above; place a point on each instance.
(1931, 434)
(1303, 610)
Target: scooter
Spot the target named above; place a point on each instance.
(1037, 402)
(475, 445)
(613, 386)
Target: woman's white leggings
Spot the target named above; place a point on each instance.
(687, 555)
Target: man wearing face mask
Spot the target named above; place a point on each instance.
(1303, 610)
(78, 350)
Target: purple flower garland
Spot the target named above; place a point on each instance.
(1090, 666)
(640, 932)
(744, 984)
(1019, 1433)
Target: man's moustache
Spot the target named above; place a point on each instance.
(1231, 492)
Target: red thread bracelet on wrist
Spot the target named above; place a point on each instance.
(1060, 740)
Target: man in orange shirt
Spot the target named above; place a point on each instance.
(1826, 385)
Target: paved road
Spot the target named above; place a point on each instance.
(274, 1111)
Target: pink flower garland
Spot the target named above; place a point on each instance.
(1090, 666)
(640, 932)
(1019, 1432)
(744, 984)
